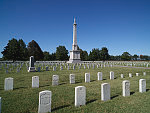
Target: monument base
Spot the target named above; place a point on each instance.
(31, 69)
(74, 61)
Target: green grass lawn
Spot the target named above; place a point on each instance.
(24, 98)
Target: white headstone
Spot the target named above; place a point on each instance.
(80, 96)
(126, 88)
(45, 101)
(47, 68)
(87, 77)
(105, 92)
(137, 74)
(55, 80)
(111, 75)
(8, 84)
(142, 85)
(39, 69)
(122, 76)
(144, 73)
(54, 68)
(35, 81)
(72, 79)
(100, 76)
(130, 74)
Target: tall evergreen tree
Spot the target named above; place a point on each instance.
(35, 50)
(61, 53)
(94, 54)
(104, 55)
(11, 51)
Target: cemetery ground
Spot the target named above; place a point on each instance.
(25, 99)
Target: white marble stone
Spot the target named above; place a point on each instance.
(87, 77)
(142, 85)
(122, 76)
(130, 74)
(54, 68)
(80, 96)
(105, 92)
(35, 81)
(144, 73)
(126, 88)
(39, 69)
(100, 76)
(8, 84)
(45, 98)
(111, 75)
(31, 65)
(47, 68)
(137, 74)
(72, 78)
(55, 80)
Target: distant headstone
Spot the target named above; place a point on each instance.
(126, 88)
(105, 92)
(111, 75)
(54, 68)
(31, 65)
(100, 76)
(68, 68)
(61, 67)
(87, 77)
(137, 74)
(80, 96)
(35, 81)
(72, 78)
(144, 73)
(142, 85)
(45, 98)
(8, 84)
(130, 74)
(55, 80)
(122, 76)
(73, 67)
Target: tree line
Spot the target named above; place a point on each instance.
(17, 50)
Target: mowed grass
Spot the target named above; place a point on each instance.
(25, 99)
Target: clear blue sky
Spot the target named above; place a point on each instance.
(119, 25)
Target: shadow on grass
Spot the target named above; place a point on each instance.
(92, 80)
(60, 107)
(77, 82)
(115, 78)
(62, 83)
(147, 90)
(93, 100)
(114, 96)
(45, 85)
(19, 88)
(131, 93)
(104, 79)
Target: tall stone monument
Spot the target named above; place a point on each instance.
(74, 53)
(31, 64)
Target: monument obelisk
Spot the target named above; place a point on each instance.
(74, 53)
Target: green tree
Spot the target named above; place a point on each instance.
(126, 56)
(47, 56)
(61, 53)
(135, 57)
(23, 51)
(83, 54)
(53, 56)
(11, 51)
(94, 54)
(35, 50)
(104, 55)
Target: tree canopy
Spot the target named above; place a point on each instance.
(61, 53)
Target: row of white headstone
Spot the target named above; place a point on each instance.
(45, 97)
(55, 79)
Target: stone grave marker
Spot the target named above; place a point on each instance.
(55, 80)
(80, 96)
(72, 78)
(126, 88)
(87, 77)
(144, 73)
(111, 75)
(130, 74)
(8, 84)
(35, 81)
(45, 98)
(122, 76)
(105, 92)
(100, 76)
(47, 68)
(0, 104)
(142, 85)
(137, 74)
